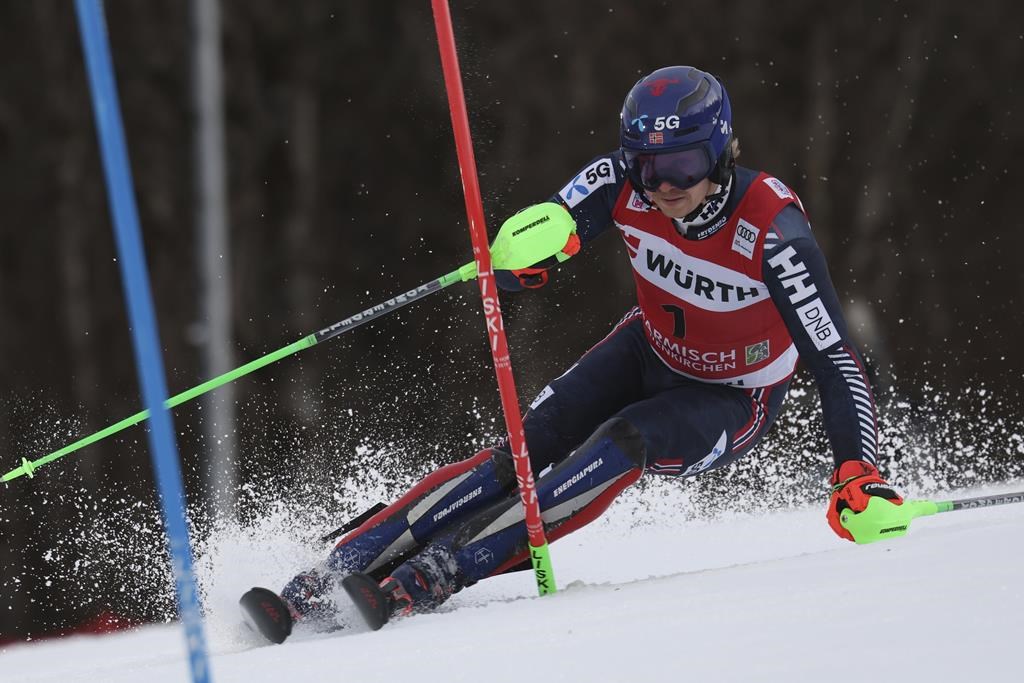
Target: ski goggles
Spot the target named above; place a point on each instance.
(682, 168)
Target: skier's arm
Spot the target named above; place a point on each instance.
(799, 284)
(589, 197)
(591, 194)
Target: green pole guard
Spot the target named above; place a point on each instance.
(540, 558)
(883, 519)
(535, 234)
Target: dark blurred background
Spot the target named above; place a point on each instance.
(898, 123)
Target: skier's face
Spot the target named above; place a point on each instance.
(676, 203)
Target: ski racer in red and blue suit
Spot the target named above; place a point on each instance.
(732, 290)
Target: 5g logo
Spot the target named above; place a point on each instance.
(666, 122)
(599, 171)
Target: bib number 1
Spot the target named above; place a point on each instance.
(678, 320)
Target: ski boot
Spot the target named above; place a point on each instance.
(418, 585)
(306, 598)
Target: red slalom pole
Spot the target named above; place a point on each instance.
(539, 554)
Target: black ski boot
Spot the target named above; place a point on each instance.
(310, 597)
(266, 613)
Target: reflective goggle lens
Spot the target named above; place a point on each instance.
(682, 169)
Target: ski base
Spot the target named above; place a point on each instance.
(373, 604)
(267, 614)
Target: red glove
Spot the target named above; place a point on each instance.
(527, 278)
(853, 484)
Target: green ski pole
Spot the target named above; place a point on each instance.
(883, 519)
(463, 274)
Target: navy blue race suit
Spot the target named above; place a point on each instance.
(687, 381)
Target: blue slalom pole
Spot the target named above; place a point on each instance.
(135, 280)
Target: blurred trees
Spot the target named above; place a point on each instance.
(899, 127)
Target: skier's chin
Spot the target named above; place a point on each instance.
(675, 206)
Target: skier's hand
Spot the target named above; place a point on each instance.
(536, 276)
(524, 278)
(530, 243)
(853, 485)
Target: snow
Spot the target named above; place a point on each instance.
(772, 597)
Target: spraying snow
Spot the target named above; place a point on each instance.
(768, 597)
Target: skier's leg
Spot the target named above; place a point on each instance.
(608, 377)
(400, 529)
(604, 380)
(572, 494)
(697, 427)
(689, 428)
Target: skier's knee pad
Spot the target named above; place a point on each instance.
(625, 436)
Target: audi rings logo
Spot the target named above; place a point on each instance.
(745, 239)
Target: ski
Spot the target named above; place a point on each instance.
(374, 605)
(267, 614)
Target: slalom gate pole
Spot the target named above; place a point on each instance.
(146, 344)
(463, 274)
(540, 557)
(882, 519)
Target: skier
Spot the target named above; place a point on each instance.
(731, 290)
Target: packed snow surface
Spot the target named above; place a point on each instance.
(773, 597)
